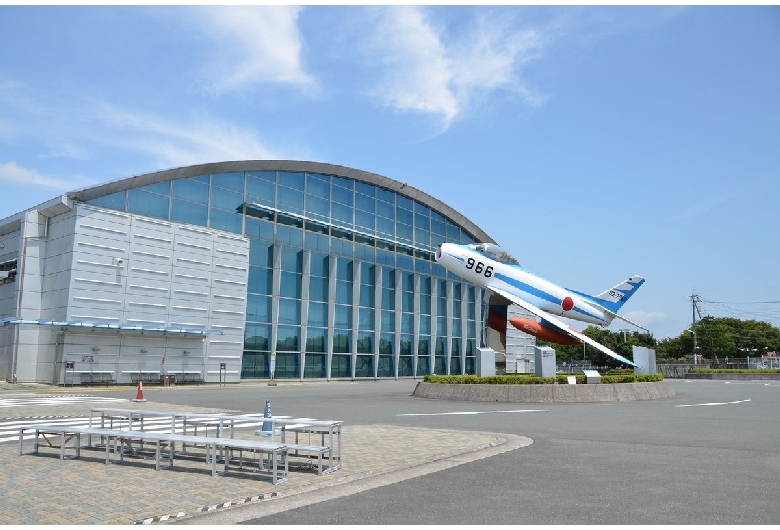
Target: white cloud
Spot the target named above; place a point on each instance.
(417, 73)
(251, 45)
(646, 318)
(13, 173)
(179, 144)
(423, 71)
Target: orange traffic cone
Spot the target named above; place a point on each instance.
(139, 396)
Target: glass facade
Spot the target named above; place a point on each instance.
(342, 279)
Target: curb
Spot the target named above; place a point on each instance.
(546, 393)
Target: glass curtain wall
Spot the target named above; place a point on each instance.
(342, 281)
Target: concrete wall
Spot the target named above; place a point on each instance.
(546, 393)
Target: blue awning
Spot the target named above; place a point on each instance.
(99, 326)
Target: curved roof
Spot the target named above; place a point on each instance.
(401, 188)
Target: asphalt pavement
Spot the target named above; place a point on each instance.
(707, 456)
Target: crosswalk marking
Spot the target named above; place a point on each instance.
(55, 400)
(9, 428)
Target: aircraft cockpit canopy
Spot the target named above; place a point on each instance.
(494, 251)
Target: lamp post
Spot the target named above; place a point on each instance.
(695, 355)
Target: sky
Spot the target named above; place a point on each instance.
(592, 143)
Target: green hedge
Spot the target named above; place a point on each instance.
(733, 371)
(530, 379)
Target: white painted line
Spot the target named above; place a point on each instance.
(469, 413)
(711, 404)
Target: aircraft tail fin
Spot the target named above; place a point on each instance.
(613, 299)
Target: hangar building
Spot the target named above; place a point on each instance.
(223, 271)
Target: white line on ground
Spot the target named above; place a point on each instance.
(466, 413)
(711, 404)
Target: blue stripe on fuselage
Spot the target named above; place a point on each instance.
(538, 293)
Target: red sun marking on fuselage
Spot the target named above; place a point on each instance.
(567, 304)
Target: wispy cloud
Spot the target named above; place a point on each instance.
(646, 318)
(424, 69)
(700, 208)
(11, 172)
(251, 45)
(178, 143)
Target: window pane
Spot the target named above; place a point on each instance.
(191, 190)
(226, 200)
(344, 269)
(147, 203)
(258, 308)
(343, 292)
(289, 236)
(315, 342)
(342, 196)
(365, 319)
(365, 342)
(367, 296)
(387, 322)
(161, 188)
(318, 314)
(188, 212)
(317, 241)
(292, 259)
(291, 180)
(260, 280)
(260, 191)
(342, 341)
(341, 214)
(317, 207)
(318, 289)
(319, 264)
(232, 181)
(261, 253)
(222, 220)
(290, 285)
(343, 182)
(388, 299)
(386, 345)
(270, 176)
(318, 185)
(367, 204)
(257, 336)
(256, 228)
(343, 316)
(407, 322)
(289, 311)
(288, 338)
(115, 201)
(290, 200)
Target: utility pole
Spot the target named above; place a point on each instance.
(695, 299)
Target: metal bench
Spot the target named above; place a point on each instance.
(103, 378)
(191, 378)
(147, 378)
(122, 442)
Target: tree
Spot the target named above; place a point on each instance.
(722, 337)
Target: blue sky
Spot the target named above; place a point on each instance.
(593, 143)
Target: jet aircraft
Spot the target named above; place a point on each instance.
(489, 266)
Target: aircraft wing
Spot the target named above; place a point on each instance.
(560, 324)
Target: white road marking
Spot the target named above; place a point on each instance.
(468, 413)
(712, 404)
(54, 400)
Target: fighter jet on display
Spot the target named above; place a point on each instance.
(489, 266)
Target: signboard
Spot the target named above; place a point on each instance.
(222, 366)
(273, 362)
(70, 365)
